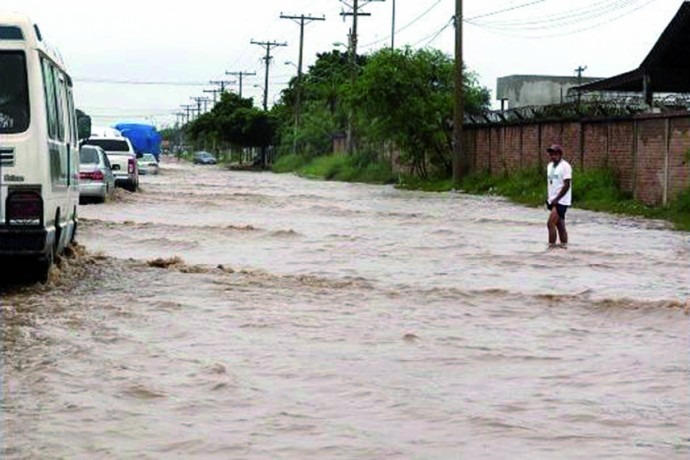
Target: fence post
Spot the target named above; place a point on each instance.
(667, 155)
(635, 143)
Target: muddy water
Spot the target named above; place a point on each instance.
(347, 321)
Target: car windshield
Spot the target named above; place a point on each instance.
(110, 145)
(88, 156)
(148, 157)
(14, 93)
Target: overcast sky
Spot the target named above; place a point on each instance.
(194, 42)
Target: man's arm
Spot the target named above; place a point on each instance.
(564, 190)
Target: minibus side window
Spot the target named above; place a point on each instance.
(72, 116)
(59, 98)
(49, 90)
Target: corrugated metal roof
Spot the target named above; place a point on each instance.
(667, 66)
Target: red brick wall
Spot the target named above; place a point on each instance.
(679, 157)
(595, 149)
(649, 154)
(650, 162)
(621, 154)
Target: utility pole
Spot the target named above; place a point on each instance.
(268, 46)
(222, 83)
(580, 70)
(241, 75)
(393, 28)
(460, 163)
(178, 125)
(355, 12)
(199, 101)
(301, 20)
(215, 93)
(188, 108)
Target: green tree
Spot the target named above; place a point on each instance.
(236, 121)
(405, 96)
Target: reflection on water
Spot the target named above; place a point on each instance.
(231, 315)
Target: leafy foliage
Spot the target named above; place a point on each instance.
(236, 121)
(401, 99)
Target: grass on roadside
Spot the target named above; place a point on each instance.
(336, 168)
(595, 190)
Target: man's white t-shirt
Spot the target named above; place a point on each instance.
(556, 177)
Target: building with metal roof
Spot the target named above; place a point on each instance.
(666, 70)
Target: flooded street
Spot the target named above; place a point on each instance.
(291, 319)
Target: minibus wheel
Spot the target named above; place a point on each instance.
(44, 264)
(58, 232)
(75, 226)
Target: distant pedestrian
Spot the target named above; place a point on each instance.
(560, 194)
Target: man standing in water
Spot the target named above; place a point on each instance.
(560, 177)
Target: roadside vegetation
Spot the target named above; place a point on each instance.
(400, 107)
(594, 190)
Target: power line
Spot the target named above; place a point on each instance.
(429, 39)
(406, 26)
(569, 32)
(560, 20)
(505, 10)
(139, 82)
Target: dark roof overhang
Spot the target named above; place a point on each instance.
(667, 67)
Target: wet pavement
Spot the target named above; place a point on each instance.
(239, 315)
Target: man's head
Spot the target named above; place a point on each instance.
(555, 152)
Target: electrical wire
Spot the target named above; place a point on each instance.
(569, 32)
(562, 19)
(406, 26)
(429, 39)
(505, 10)
(138, 82)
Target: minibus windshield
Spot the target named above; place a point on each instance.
(14, 93)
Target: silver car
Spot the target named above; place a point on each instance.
(96, 179)
(148, 164)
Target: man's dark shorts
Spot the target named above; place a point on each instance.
(560, 209)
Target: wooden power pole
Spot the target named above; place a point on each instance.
(241, 76)
(302, 20)
(268, 46)
(460, 163)
(356, 6)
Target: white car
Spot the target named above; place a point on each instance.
(123, 160)
(148, 165)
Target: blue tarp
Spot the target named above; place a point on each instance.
(144, 138)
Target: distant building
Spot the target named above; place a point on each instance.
(536, 90)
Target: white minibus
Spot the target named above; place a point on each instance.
(39, 153)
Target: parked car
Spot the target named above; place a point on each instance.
(204, 158)
(122, 158)
(96, 179)
(148, 165)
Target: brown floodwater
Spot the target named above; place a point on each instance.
(239, 315)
